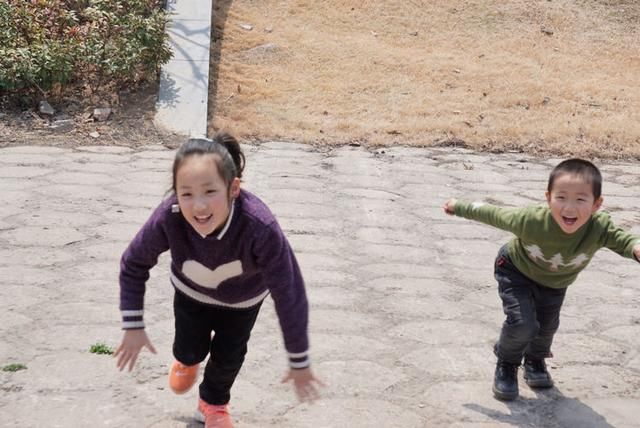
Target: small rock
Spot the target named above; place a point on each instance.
(94, 134)
(413, 33)
(261, 53)
(64, 125)
(546, 100)
(101, 114)
(546, 30)
(456, 70)
(247, 27)
(268, 29)
(45, 108)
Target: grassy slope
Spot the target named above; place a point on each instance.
(432, 72)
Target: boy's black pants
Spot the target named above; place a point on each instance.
(232, 328)
(532, 310)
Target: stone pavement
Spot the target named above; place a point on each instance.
(404, 308)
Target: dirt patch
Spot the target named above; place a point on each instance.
(538, 76)
(130, 124)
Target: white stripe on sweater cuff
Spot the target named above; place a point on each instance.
(300, 365)
(136, 313)
(132, 318)
(126, 325)
(299, 360)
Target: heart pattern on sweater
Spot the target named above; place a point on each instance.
(208, 278)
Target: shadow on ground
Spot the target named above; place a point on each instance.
(550, 407)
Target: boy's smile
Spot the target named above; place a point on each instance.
(572, 202)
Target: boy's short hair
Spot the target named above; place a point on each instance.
(583, 168)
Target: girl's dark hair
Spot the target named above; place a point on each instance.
(583, 168)
(230, 160)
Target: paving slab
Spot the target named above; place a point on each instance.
(404, 307)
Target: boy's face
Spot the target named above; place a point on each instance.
(572, 202)
(202, 193)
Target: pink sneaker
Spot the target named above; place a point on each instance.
(214, 416)
(181, 377)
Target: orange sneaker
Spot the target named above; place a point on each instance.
(214, 416)
(181, 377)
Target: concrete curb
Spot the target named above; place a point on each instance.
(184, 80)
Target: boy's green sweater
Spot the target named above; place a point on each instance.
(541, 250)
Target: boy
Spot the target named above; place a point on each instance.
(552, 244)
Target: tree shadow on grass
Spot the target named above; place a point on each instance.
(550, 408)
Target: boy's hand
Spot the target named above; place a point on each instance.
(304, 383)
(448, 206)
(636, 252)
(132, 343)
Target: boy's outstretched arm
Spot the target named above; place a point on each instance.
(304, 383)
(636, 252)
(132, 343)
(448, 206)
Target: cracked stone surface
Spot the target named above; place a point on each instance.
(404, 307)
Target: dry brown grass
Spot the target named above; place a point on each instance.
(477, 73)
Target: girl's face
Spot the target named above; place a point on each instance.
(203, 196)
(572, 202)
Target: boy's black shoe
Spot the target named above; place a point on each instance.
(505, 382)
(536, 374)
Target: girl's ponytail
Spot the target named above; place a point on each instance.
(233, 147)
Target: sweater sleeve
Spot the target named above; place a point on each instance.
(282, 274)
(136, 262)
(509, 219)
(618, 240)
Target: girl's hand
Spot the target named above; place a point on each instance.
(448, 206)
(304, 384)
(132, 343)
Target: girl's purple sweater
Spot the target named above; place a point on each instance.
(234, 268)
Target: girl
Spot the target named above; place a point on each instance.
(228, 253)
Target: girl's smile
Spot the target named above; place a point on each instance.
(203, 219)
(203, 196)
